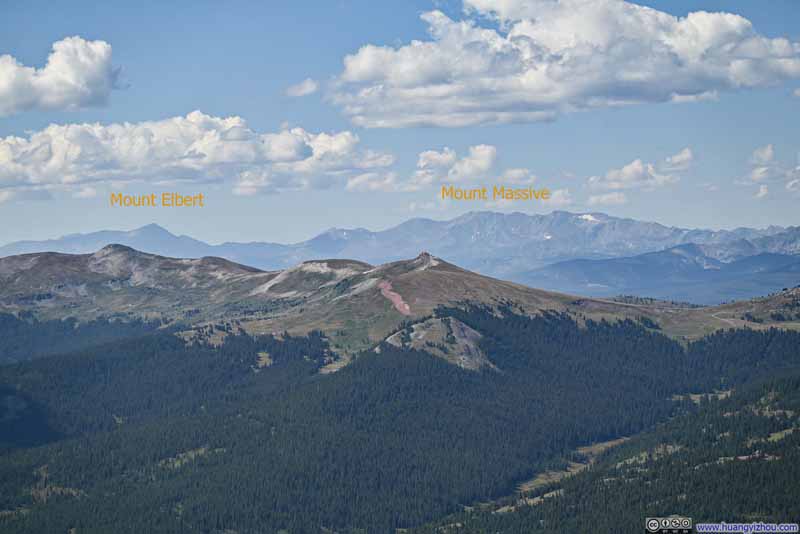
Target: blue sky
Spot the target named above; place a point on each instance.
(160, 62)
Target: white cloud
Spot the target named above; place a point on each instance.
(763, 155)
(431, 159)
(421, 179)
(640, 175)
(763, 191)
(518, 176)
(793, 186)
(634, 175)
(679, 162)
(433, 166)
(373, 181)
(560, 198)
(763, 173)
(690, 99)
(85, 192)
(445, 166)
(78, 74)
(608, 199)
(196, 148)
(547, 57)
(796, 93)
(765, 168)
(476, 164)
(5, 196)
(306, 87)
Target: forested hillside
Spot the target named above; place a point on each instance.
(25, 337)
(734, 459)
(154, 435)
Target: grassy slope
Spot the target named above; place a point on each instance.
(340, 297)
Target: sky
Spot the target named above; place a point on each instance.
(295, 117)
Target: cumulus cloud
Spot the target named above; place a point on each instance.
(196, 148)
(78, 74)
(518, 176)
(763, 155)
(608, 199)
(560, 198)
(640, 175)
(793, 186)
(679, 162)
(542, 58)
(306, 87)
(431, 159)
(476, 164)
(763, 191)
(635, 174)
(445, 166)
(765, 168)
(763, 165)
(433, 167)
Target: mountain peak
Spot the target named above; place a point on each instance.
(152, 229)
(115, 248)
(426, 260)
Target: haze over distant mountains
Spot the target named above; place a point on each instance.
(590, 253)
(683, 273)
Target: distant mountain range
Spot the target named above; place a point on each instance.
(683, 273)
(588, 253)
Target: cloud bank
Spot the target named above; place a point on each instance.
(78, 74)
(196, 148)
(532, 60)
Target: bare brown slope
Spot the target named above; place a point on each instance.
(356, 304)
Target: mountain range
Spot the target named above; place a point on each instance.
(355, 303)
(685, 273)
(145, 393)
(560, 251)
